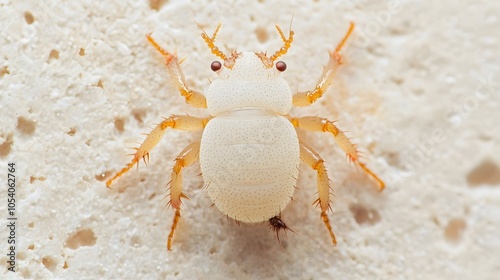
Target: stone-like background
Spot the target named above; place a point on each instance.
(419, 93)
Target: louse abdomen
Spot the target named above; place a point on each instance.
(250, 165)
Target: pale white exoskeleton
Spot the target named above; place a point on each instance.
(249, 150)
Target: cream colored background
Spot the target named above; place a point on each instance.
(420, 93)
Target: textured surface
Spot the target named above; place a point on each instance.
(419, 91)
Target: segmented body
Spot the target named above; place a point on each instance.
(249, 152)
(249, 160)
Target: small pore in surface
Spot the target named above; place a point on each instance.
(28, 17)
(34, 178)
(120, 124)
(6, 146)
(49, 263)
(25, 273)
(393, 159)
(83, 237)
(363, 215)
(4, 70)
(454, 230)
(103, 176)
(72, 131)
(214, 249)
(26, 126)
(135, 241)
(54, 54)
(152, 196)
(156, 4)
(487, 173)
(139, 114)
(261, 34)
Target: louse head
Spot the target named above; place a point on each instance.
(247, 65)
(248, 79)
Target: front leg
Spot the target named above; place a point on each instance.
(303, 99)
(324, 125)
(174, 121)
(193, 98)
(314, 160)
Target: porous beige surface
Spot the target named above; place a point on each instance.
(420, 93)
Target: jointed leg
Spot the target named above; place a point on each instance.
(303, 99)
(324, 125)
(192, 97)
(187, 157)
(314, 160)
(177, 122)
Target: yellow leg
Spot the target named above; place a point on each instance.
(177, 122)
(187, 157)
(324, 125)
(314, 160)
(303, 99)
(193, 98)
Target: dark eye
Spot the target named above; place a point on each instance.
(281, 66)
(216, 66)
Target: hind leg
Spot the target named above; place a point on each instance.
(187, 157)
(314, 160)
